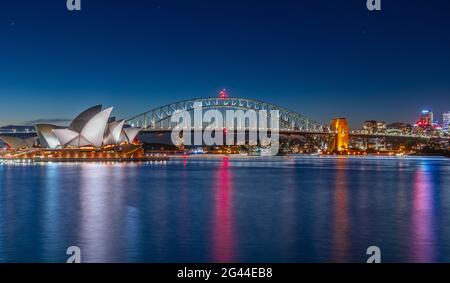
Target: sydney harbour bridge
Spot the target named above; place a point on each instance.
(157, 123)
(158, 119)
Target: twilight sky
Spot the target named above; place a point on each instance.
(321, 58)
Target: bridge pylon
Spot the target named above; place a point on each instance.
(339, 126)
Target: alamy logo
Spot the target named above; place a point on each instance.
(73, 5)
(239, 127)
(375, 254)
(374, 5)
(75, 254)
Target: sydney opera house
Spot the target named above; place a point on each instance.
(89, 129)
(93, 134)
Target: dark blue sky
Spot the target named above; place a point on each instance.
(322, 58)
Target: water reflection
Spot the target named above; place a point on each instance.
(289, 215)
(160, 209)
(184, 212)
(51, 216)
(223, 235)
(423, 238)
(221, 210)
(97, 213)
(341, 239)
(2, 214)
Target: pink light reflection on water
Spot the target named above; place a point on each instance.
(223, 241)
(422, 236)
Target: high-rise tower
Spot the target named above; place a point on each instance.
(446, 121)
(426, 119)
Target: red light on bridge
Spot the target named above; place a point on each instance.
(223, 93)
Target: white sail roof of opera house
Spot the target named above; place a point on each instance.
(18, 143)
(89, 128)
(83, 118)
(130, 134)
(46, 135)
(94, 130)
(68, 137)
(114, 132)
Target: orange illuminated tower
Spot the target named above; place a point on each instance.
(339, 126)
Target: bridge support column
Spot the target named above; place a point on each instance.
(339, 126)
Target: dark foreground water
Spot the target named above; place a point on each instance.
(223, 209)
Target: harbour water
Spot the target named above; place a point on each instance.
(227, 209)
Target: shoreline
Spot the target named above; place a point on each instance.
(85, 160)
(241, 156)
(215, 156)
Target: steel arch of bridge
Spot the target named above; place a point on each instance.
(289, 120)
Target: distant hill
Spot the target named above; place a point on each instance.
(17, 128)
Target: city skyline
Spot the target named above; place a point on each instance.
(352, 63)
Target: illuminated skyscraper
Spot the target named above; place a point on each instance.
(426, 119)
(446, 121)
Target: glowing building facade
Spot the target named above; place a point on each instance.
(446, 121)
(425, 119)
